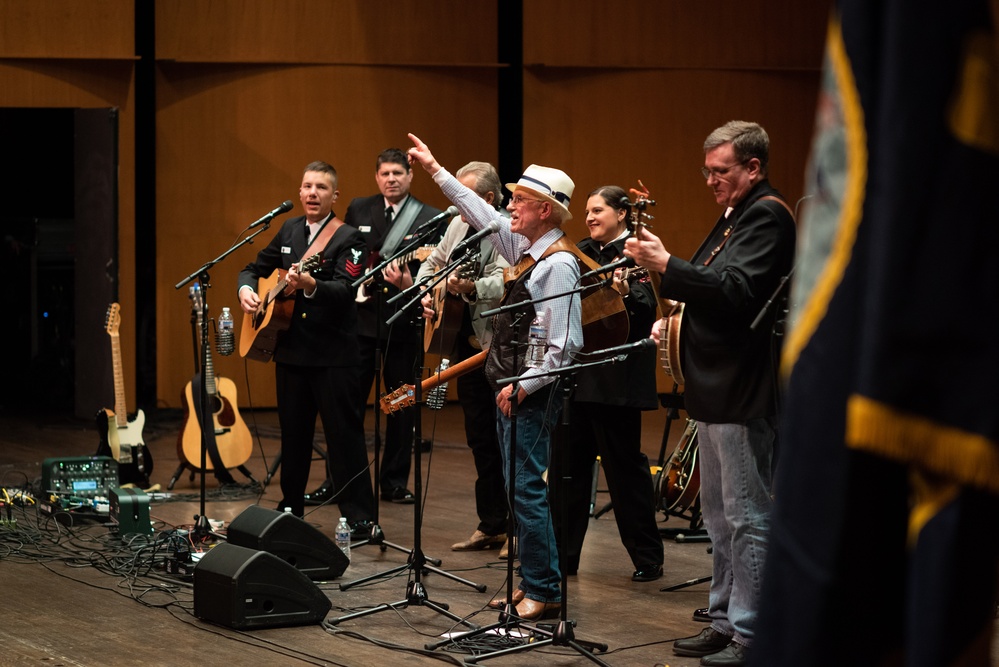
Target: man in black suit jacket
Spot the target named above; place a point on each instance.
(316, 356)
(729, 363)
(385, 220)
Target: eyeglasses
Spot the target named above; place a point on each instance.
(518, 200)
(719, 173)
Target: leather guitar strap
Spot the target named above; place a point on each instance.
(208, 432)
(595, 305)
(728, 232)
(781, 202)
(323, 237)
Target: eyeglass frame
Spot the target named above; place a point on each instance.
(518, 200)
(720, 173)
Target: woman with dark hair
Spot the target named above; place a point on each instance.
(606, 411)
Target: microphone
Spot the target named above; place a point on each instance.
(224, 343)
(432, 222)
(625, 262)
(621, 349)
(283, 208)
(463, 247)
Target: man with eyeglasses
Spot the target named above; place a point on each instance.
(729, 362)
(543, 264)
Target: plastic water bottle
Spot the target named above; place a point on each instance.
(224, 342)
(437, 397)
(343, 537)
(537, 341)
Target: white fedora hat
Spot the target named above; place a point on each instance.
(552, 185)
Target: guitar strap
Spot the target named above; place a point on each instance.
(728, 232)
(323, 237)
(781, 202)
(208, 433)
(597, 305)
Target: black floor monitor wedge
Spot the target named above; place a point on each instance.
(245, 589)
(290, 538)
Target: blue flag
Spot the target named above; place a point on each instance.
(884, 543)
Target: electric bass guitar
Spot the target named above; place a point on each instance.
(232, 437)
(121, 439)
(261, 329)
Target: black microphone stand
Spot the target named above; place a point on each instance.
(199, 313)
(377, 536)
(564, 633)
(202, 528)
(416, 593)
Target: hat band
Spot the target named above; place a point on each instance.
(560, 197)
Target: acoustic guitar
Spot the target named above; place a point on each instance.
(441, 330)
(121, 438)
(259, 335)
(233, 440)
(405, 396)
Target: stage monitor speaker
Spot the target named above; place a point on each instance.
(291, 539)
(244, 589)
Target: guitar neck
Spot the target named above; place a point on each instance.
(277, 290)
(121, 412)
(452, 372)
(209, 371)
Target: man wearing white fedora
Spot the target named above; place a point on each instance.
(542, 264)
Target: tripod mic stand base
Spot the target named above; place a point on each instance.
(416, 595)
(563, 634)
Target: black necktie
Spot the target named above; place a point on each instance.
(388, 216)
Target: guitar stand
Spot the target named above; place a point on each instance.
(416, 593)
(223, 479)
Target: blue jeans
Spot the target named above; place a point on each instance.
(736, 482)
(537, 418)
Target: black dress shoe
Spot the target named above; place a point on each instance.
(400, 496)
(733, 655)
(708, 642)
(702, 615)
(321, 495)
(648, 573)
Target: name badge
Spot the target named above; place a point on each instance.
(364, 228)
(285, 250)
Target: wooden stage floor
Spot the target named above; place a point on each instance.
(70, 599)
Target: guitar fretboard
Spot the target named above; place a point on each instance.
(120, 411)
